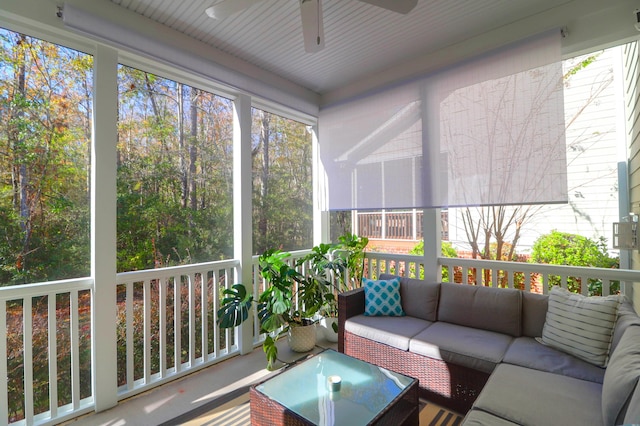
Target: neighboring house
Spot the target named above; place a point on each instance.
(596, 143)
(632, 102)
(594, 116)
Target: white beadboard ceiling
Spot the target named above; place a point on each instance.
(360, 39)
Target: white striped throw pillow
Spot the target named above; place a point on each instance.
(581, 326)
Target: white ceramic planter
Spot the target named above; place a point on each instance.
(302, 338)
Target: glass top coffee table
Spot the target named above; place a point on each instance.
(335, 389)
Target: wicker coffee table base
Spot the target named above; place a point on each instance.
(267, 412)
(449, 385)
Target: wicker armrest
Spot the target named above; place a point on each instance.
(350, 303)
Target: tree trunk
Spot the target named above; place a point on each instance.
(182, 162)
(20, 175)
(193, 149)
(265, 136)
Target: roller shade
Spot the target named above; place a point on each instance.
(489, 131)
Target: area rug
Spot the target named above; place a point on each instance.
(232, 409)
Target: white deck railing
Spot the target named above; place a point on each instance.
(533, 277)
(167, 325)
(168, 316)
(43, 332)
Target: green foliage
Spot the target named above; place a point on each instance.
(447, 250)
(292, 298)
(282, 184)
(44, 152)
(354, 247)
(561, 248)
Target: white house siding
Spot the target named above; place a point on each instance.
(631, 62)
(592, 155)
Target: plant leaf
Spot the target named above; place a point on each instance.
(235, 306)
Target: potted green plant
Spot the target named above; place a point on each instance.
(327, 268)
(339, 268)
(353, 246)
(276, 311)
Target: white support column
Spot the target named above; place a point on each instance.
(432, 230)
(321, 215)
(103, 226)
(242, 205)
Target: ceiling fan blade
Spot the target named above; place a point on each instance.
(225, 8)
(400, 6)
(312, 28)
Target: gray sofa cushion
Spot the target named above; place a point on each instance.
(626, 316)
(482, 418)
(469, 347)
(419, 298)
(527, 352)
(621, 377)
(534, 313)
(632, 417)
(487, 308)
(531, 397)
(392, 331)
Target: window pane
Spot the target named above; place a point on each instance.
(282, 183)
(45, 133)
(174, 173)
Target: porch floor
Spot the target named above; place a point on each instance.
(169, 401)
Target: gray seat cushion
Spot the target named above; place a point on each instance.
(621, 377)
(482, 418)
(531, 397)
(527, 352)
(419, 298)
(632, 416)
(392, 331)
(487, 308)
(469, 347)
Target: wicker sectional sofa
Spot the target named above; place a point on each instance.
(474, 350)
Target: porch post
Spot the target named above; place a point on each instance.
(321, 215)
(103, 228)
(432, 230)
(242, 207)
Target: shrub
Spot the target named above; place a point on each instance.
(447, 251)
(561, 248)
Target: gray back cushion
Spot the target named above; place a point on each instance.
(534, 312)
(419, 298)
(626, 316)
(487, 308)
(621, 377)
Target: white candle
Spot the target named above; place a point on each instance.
(334, 383)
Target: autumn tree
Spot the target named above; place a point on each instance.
(282, 184)
(44, 158)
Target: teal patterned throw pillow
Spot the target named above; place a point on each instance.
(382, 298)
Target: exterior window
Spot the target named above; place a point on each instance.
(282, 183)
(45, 133)
(174, 173)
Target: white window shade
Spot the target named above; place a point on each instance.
(486, 132)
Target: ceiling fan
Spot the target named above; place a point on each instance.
(310, 12)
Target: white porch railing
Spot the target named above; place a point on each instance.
(167, 325)
(45, 334)
(168, 316)
(525, 276)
